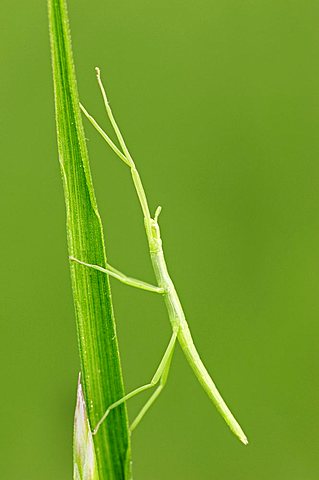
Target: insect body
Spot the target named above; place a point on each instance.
(165, 287)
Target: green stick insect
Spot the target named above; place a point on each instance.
(180, 329)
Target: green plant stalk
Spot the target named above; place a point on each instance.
(100, 364)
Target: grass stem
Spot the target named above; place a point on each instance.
(101, 375)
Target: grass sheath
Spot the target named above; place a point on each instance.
(84, 458)
(101, 375)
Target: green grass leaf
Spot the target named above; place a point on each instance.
(100, 364)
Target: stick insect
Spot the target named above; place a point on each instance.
(165, 287)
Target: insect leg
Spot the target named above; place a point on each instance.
(133, 282)
(166, 363)
(158, 376)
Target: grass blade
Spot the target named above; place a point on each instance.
(100, 364)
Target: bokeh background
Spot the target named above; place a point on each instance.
(219, 104)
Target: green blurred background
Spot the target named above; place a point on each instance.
(219, 104)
